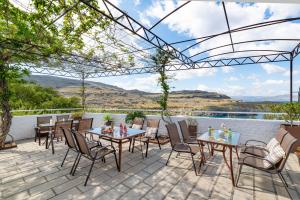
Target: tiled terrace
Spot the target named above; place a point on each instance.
(31, 172)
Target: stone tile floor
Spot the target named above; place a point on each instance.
(32, 172)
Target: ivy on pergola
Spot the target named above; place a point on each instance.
(126, 48)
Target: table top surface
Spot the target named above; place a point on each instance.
(220, 137)
(116, 134)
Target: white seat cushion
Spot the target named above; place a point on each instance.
(275, 155)
(136, 126)
(273, 142)
(151, 132)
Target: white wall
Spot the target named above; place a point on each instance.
(23, 126)
(249, 128)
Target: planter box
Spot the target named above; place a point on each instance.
(294, 131)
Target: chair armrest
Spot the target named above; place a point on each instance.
(256, 141)
(258, 147)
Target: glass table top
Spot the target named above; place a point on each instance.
(220, 137)
(116, 134)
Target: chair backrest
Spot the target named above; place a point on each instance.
(153, 123)
(280, 135)
(81, 143)
(62, 124)
(85, 124)
(69, 138)
(173, 134)
(184, 130)
(287, 145)
(138, 121)
(43, 120)
(62, 117)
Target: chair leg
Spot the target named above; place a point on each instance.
(75, 161)
(88, 176)
(141, 145)
(194, 164)
(76, 165)
(46, 143)
(39, 140)
(133, 143)
(147, 146)
(52, 145)
(130, 141)
(285, 184)
(238, 175)
(282, 179)
(158, 143)
(116, 161)
(65, 157)
(169, 157)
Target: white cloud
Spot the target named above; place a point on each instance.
(198, 19)
(202, 87)
(187, 74)
(232, 78)
(271, 68)
(227, 69)
(137, 2)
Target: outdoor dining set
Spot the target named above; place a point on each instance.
(87, 141)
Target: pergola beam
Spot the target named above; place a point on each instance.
(228, 26)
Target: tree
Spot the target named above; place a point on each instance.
(33, 37)
(160, 60)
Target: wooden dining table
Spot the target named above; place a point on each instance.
(117, 137)
(225, 141)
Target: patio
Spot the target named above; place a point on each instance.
(32, 172)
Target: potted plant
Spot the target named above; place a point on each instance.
(192, 126)
(107, 118)
(77, 115)
(291, 113)
(132, 115)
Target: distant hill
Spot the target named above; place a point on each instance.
(277, 98)
(104, 95)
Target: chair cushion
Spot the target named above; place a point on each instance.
(151, 132)
(272, 143)
(136, 126)
(275, 155)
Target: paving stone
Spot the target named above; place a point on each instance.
(137, 192)
(32, 172)
(114, 193)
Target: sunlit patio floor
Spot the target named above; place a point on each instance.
(32, 172)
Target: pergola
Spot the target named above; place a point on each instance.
(141, 42)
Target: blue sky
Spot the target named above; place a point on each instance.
(204, 18)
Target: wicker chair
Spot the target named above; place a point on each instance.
(178, 146)
(42, 131)
(93, 154)
(57, 132)
(62, 118)
(137, 121)
(259, 148)
(258, 162)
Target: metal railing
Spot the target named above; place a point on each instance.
(187, 112)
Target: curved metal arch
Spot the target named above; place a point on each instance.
(242, 28)
(243, 42)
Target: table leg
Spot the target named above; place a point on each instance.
(229, 165)
(237, 153)
(120, 154)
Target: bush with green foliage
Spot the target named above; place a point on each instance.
(291, 111)
(107, 118)
(28, 95)
(132, 115)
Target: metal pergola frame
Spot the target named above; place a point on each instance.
(183, 61)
